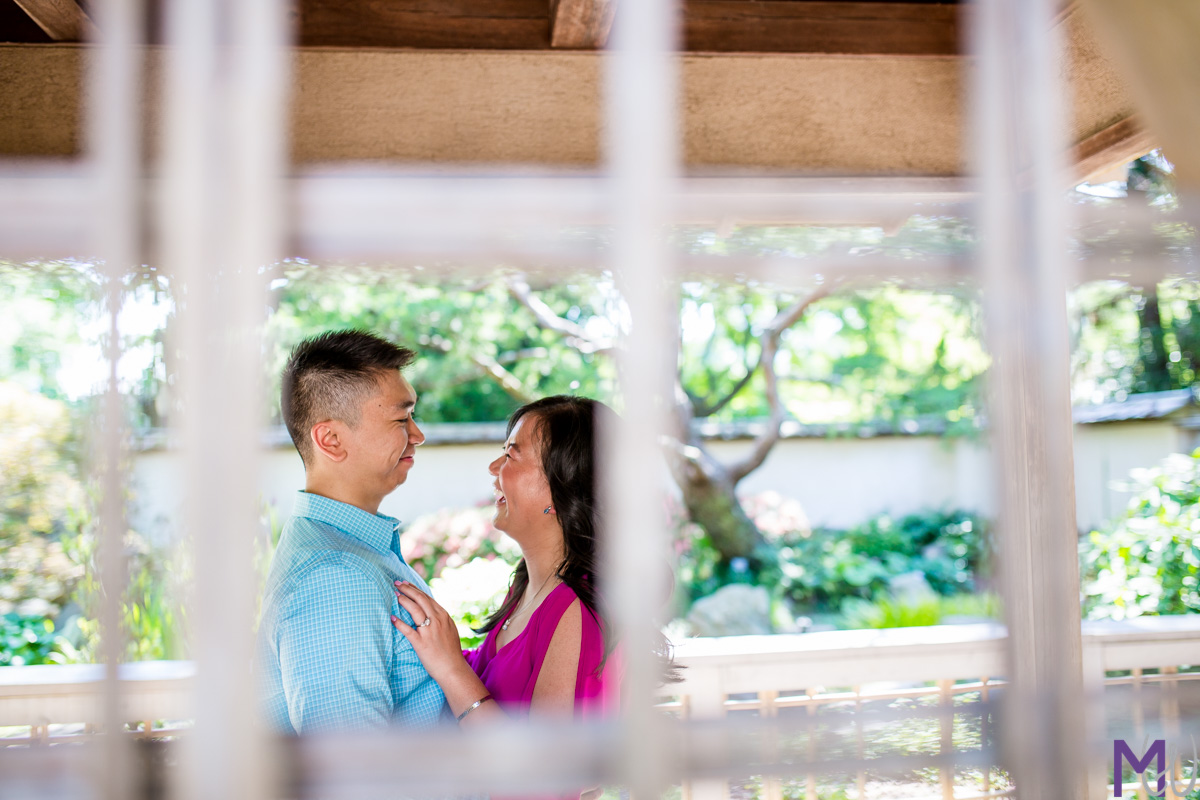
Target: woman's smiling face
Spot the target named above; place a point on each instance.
(522, 492)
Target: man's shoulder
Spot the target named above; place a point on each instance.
(313, 555)
(306, 540)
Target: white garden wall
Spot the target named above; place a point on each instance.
(840, 481)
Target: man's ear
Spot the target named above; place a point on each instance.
(328, 440)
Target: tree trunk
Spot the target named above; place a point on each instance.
(1154, 373)
(709, 495)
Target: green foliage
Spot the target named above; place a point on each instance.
(153, 616)
(41, 502)
(30, 640)
(820, 569)
(866, 355)
(1148, 561)
(153, 619)
(828, 566)
(43, 308)
(891, 612)
(53, 327)
(481, 353)
(884, 354)
(1130, 339)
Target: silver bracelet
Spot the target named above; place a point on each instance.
(473, 706)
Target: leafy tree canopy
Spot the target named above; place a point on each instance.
(482, 352)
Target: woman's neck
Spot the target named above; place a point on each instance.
(542, 564)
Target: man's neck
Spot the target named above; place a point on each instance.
(335, 490)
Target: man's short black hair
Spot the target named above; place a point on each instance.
(329, 376)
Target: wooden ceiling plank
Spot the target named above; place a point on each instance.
(787, 26)
(425, 24)
(1115, 146)
(722, 26)
(580, 24)
(62, 20)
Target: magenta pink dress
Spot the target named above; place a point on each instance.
(511, 673)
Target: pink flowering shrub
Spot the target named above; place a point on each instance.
(779, 518)
(450, 538)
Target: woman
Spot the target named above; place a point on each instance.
(546, 652)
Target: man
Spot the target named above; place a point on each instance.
(328, 655)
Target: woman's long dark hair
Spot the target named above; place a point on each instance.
(566, 433)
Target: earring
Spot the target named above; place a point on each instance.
(548, 509)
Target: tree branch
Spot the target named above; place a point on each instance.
(575, 335)
(518, 355)
(766, 362)
(508, 382)
(708, 410)
(494, 369)
(828, 380)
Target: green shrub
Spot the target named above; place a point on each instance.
(891, 612)
(1148, 560)
(41, 502)
(823, 567)
(26, 641)
(153, 616)
(826, 567)
(819, 569)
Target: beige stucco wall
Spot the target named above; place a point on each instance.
(859, 115)
(1104, 456)
(841, 482)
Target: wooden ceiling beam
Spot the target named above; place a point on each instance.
(809, 26)
(580, 24)
(1115, 146)
(425, 24)
(62, 20)
(717, 26)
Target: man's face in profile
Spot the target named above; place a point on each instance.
(381, 447)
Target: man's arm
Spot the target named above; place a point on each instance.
(335, 650)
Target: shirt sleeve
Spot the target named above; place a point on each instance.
(335, 650)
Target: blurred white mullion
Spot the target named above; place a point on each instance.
(641, 93)
(226, 94)
(1018, 102)
(114, 139)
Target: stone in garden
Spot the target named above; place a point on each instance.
(734, 610)
(911, 588)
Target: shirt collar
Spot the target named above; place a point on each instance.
(376, 530)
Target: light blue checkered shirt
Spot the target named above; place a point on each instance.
(328, 655)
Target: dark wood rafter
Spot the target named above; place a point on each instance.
(425, 24)
(580, 24)
(62, 20)
(763, 26)
(795, 26)
(1114, 146)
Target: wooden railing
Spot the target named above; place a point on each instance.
(941, 666)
